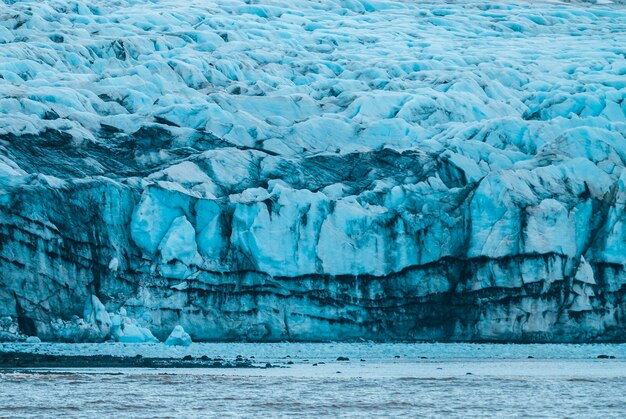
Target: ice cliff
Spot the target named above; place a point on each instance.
(313, 170)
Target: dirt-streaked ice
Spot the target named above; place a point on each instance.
(313, 170)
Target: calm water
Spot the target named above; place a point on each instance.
(392, 381)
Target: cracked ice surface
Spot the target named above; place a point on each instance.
(315, 170)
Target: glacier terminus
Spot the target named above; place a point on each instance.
(308, 170)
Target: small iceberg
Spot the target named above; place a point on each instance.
(178, 337)
(125, 330)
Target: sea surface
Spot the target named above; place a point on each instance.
(307, 380)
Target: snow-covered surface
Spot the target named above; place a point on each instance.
(313, 170)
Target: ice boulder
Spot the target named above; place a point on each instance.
(96, 315)
(124, 329)
(178, 337)
(76, 330)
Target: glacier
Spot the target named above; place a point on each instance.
(312, 170)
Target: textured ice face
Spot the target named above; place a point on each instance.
(313, 170)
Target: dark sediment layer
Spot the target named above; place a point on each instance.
(18, 360)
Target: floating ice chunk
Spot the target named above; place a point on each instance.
(178, 337)
(124, 329)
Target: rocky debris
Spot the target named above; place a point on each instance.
(99, 325)
(13, 360)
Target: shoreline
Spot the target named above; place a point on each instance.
(19, 360)
(287, 355)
